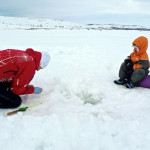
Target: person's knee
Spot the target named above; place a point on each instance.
(140, 72)
(17, 102)
(123, 65)
(137, 76)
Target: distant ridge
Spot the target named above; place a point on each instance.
(18, 23)
(117, 27)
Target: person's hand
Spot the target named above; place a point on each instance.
(128, 64)
(37, 90)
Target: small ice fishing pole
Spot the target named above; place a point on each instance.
(22, 109)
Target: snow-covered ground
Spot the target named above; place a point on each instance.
(82, 108)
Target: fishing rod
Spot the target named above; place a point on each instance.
(22, 109)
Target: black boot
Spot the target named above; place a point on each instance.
(119, 82)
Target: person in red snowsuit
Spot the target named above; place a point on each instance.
(17, 68)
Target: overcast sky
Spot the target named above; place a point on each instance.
(132, 12)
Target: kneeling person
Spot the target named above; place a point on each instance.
(17, 68)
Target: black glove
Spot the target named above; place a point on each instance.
(128, 64)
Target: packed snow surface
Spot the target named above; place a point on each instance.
(82, 108)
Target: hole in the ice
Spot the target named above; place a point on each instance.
(89, 98)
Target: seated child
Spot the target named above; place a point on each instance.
(135, 67)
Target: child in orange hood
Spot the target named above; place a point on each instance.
(135, 67)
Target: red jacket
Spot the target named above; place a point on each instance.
(18, 67)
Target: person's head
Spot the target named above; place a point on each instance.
(140, 45)
(45, 58)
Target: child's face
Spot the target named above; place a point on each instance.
(135, 48)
